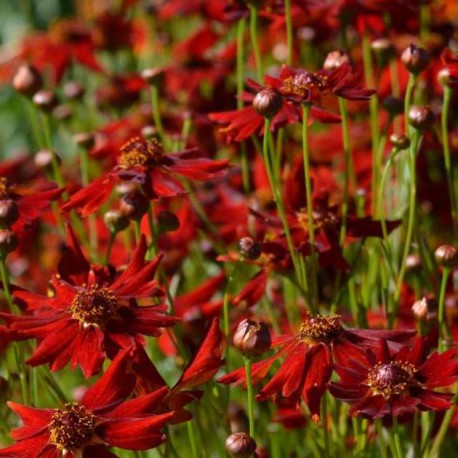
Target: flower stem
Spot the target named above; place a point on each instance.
(6, 284)
(157, 115)
(397, 438)
(308, 191)
(250, 395)
(109, 247)
(442, 318)
(254, 40)
(412, 211)
(192, 438)
(448, 167)
(289, 31)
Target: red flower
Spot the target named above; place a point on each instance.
(144, 162)
(307, 367)
(103, 418)
(85, 322)
(382, 382)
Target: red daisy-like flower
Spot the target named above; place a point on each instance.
(103, 418)
(307, 367)
(84, 323)
(144, 162)
(383, 382)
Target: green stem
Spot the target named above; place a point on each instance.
(250, 394)
(289, 31)
(412, 211)
(324, 420)
(408, 101)
(157, 115)
(109, 247)
(153, 231)
(254, 40)
(441, 317)
(448, 166)
(308, 192)
(6, 284)
(192, 438)
(397, 438)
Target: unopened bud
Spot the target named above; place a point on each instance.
(336, 59)
(415, 59)
(168, 221)
(134, 205)
(153, 76)
(9, 212)
(384, 50)
(84, 140)
(394, 105)
(150, 132)
(45, 100)
(62, 113)
(27, 80)
(252, 338)
(240, 445)
(249, 248)
(413, 264)
(115, 221)
(267, 102)
(8, 241)
(237, 417)
(425, 309)
(43, 159)
(73, 90)
(446, 256)
(421, 117)
(399, 141)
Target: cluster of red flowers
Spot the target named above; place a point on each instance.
(252, 191)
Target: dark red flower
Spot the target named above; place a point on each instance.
(384, 382)
(103, 418)
(144, 162)
(307, 368)
(86, 322)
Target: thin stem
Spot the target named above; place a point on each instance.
(157, 115)
(192, 438)
(250, 395)
(153, 231)
(412, 211)
(254, 40)
(408, 101)
(6, 284)
(289, 31)
(324, 419)
(448, 167)
(397, 438)
(109, 247)
(441, 317)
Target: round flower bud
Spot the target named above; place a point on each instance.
(267, 103)
(413, 264)
(421, 117)
(425, 309)
(43, 159)
(240, 445)
(62, 113)
(149, 132)
(134, 205)
(115, 221)
(446, 256)
(9, 212)
(27, 80)
(237, 417)
(399, 141)
(249, 249)
(336, 59)
(84, 140)
(384, 50)
(8, 241)
(45, 100)
(252, 338)
(153, 76)
(415, 59)
(168, 221)
(393, 105)
(73, 90)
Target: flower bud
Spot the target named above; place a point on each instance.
(84, 140)
(252, 338)
(446, 256)
(43, 159)
(45, 100)
(421, 117)
(393, 105)
(62, 113)
(27, 80)
(399, 141)
(415, 59)
(238, 419)
(150, 132)
(134, 205)
(267, 102)
(8, 241)
(168, 221)
(413, 264)
(9, 212)
(336, 59)
(73, 90)
(115, 221)
(249, 248)
(240, 445)
(425, 309)
(384, 50)
(153, 76)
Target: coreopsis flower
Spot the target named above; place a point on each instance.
(104, 417)
(382, 382)
(91, 316)
(30, 201)
(145, 163)
(309, 354)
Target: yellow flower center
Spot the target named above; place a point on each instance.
(140, 152)
(320, 329)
